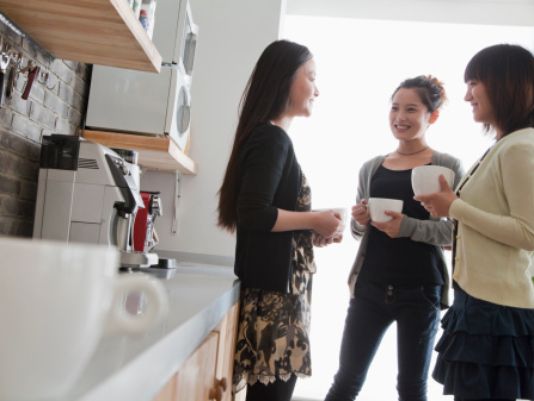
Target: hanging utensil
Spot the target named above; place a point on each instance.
(4, 64)
(32, 74)
(12, 74)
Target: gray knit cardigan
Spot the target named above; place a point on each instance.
(435, 231)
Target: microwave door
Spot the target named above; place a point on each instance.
(190, 48)
(166, 30)
(128, 101)
(178, 119)
(187, 36)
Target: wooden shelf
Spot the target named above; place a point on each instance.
(102, 32)
(159, 153)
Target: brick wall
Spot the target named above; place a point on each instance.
(54, 106)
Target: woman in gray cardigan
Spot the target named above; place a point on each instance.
(399, 274)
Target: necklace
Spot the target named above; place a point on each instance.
(412, 153)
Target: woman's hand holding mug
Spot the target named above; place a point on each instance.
(438, 203)
(329, 227)
(320, 241)
(360, 213)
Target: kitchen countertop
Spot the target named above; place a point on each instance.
(136, 367)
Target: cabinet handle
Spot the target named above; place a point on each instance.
(219, 387)
(221, 383)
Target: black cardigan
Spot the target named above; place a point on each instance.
(269, 178)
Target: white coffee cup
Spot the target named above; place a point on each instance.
(425, 179)
(56, 302)
(342, 211)
(377, 207)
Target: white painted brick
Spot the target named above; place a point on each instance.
(54, 103)
(26, 128)
(53, 107)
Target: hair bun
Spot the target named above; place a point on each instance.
(430, 89)
(437, 89)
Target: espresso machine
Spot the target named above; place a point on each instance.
(89, 193)
(145, 236)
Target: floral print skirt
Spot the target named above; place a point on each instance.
(273, 338)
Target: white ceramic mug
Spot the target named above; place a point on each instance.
(342, 211)
(425, 179)
(56, 301)
(377, 207)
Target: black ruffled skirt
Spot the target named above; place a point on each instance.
(486, 350)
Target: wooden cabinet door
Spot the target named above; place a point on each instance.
(167, 393)
(202, 375)
(225, 357)
(197, 375)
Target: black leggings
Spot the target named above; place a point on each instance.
(277, 391)
(483, 399)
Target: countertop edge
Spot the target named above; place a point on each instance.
(164, 358)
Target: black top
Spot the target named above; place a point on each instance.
(399, 261)
(269, 178)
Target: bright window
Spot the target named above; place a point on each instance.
(359, 64)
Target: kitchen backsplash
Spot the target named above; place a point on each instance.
(56, 104)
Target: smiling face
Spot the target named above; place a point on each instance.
(477, 96)
(303, 91)
(409, 118)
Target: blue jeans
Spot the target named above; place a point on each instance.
(416, 311)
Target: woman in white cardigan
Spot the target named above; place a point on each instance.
(487, 348)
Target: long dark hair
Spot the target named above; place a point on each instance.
(429, 88)
(265, 98)
(507, 72)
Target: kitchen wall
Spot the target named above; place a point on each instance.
(54, 106)
(232, 35)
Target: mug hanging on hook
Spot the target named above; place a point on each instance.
(44, 78)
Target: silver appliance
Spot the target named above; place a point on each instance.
(88, 193)
(147, 103)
